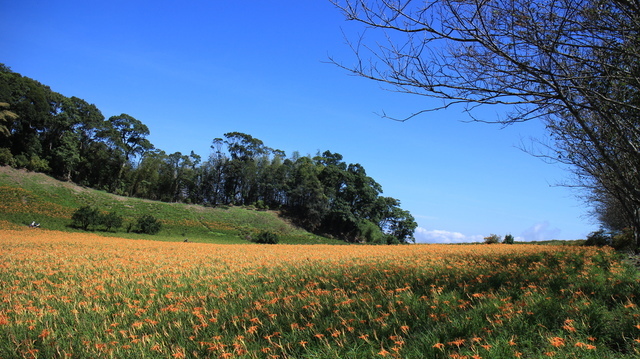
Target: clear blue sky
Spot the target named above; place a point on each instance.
(194, 70)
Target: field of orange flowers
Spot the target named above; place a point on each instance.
(73, 295)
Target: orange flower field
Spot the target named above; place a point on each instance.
(75, 295)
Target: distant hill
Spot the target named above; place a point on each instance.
(26, 197)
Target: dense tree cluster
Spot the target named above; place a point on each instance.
(70, 139)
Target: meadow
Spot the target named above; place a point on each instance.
(80, 295)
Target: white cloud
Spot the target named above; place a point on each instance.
(541, 231)
(424, 235)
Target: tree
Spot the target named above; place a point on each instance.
(399, 223)
(508, 239)
(85, 216)
(128, 137)
(306, 200)
(6, 117)
(573, 64)
(492, 239)
(266, 237)
(111, 220)
(148, 224)
(513, 52)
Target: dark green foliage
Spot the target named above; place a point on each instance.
(111, 220)
(148, 224)
(85, 216)
(6, 158)
(623, 241)
(68, 138)
(508, 239)
(267, 237)
(598, 238)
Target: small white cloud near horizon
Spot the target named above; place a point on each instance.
(541, 231)
(423, 235)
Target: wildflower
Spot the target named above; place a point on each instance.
(303, 343)
(569, 328)
(556, 341)
(383, 352)
(457, 342)
(438, 346)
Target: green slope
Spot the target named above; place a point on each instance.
(27, 196)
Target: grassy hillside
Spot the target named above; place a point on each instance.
(27, 196)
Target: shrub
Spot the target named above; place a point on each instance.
(266, 237)
(369, 232)
(623, 241)
(85, 216)
(148, 224)
(6, 158)
(261, 205)
(508, 239)
(111, 220)
(492, 239)
(598, 238)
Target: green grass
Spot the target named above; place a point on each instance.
(27, 197)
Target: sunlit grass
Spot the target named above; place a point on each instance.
(86, 296)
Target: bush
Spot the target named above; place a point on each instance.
(492, 239)
(508, 239)
(85, 216)
(111, 220)
(599, 238)
(6, 158)
(148, 224)
(267, 237)
(369, 232)
(624, 241)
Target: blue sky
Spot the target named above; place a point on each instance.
(194, 70)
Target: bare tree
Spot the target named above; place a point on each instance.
(574, 64)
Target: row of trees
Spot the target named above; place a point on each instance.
(88, 217)
(573, 64)
(70, 139)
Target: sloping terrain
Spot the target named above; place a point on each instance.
(27, 197)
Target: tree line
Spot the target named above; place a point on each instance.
(69, 138)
